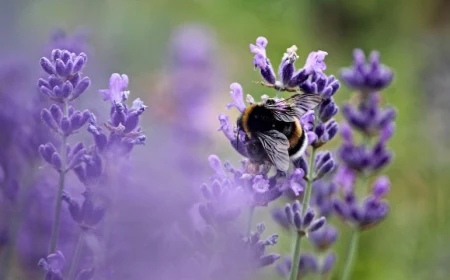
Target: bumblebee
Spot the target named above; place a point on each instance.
(273, 132)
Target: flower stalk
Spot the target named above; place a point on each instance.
(61, 181)
(76, 257)
(305, 203)
(351, 255)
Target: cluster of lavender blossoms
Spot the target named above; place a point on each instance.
(321, 128)
(361, 163)
(64, 84)
(324, 188)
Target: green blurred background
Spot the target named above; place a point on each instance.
(413, 37)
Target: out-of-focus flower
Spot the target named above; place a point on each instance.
(368, 75)
(90, 213)
(372, 210)
(308, 264)
(324, 238)
(303, 224)
(116, 93)
(53, 265)
(250, 190)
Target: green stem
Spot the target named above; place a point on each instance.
(352, 250)
(62, 174)
(76, 257)
(305, 203)
(251, 211)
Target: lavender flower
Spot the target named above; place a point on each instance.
(64, 82)
(361, 161)
(321, 84)
(123, 124)
(290, 79)
(253, 190)
(370, 212)
(320, 130)
(369, 117)
(303, 224)
(367, 76)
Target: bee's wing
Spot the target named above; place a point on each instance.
(286, 110)
(276, 146)
(304, 102)
(282, 110)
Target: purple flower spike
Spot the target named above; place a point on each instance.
(117, 89)
(238, 96)
(367, 76)
(315, 63)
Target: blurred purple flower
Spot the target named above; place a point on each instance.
(368, 214)
(53, 265)
(302, 224)
(324, 238)
(116, 93)
(367, 76)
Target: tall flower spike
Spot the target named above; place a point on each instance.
(367, 158)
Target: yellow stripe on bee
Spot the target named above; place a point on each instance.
(245, 116)
(296, 134)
